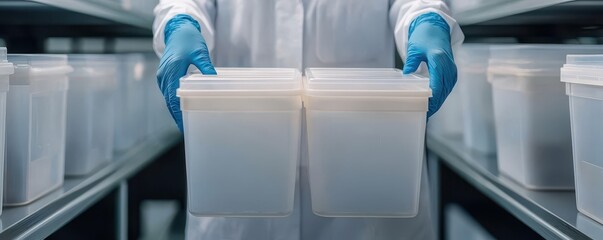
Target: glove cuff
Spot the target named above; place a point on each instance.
(177, 22)
(433, 18)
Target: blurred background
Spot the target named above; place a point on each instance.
(141, 193)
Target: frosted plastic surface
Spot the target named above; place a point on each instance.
(477, 111)
(158, 117)
(365, 159)
(476, 98)
(90, 115)
(2, 143)
(6, 69)
(533, 136)
(35, 141)
(586, 106)
(543, 58)
(242, 163)
(365, 164)
(35, 127)
(532, 122)
(241, 158)
(130, 123)
(244, 80)
(448, 120)
(365, 80)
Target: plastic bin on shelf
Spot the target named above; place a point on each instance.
(242, 138)
(531, 112)
(366, 130)
(476, 98)
(90, 113)
(583, 75)
(6, 69)
(130, 122)
(448, 120)
(158, 118)
(35, 130)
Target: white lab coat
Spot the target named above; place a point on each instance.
(299, 34)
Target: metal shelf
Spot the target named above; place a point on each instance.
(467, 13)
(105, 9)
(552, 214)
(47, 214)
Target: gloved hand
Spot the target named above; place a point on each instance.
(429, 41)
(184, 45)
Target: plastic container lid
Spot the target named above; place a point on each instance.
(534, 59)
(364, 82)
(27, 65)
(595, 61)
(91, 59)
(242, 82)
(93, 64)
(583, 69)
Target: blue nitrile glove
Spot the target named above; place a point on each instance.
(429, 41)
(184, 45)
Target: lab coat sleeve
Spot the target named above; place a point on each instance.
(204, 11)
(403, 12)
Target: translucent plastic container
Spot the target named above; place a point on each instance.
(6, 69)
(130, 122)
(242, 138)
(366, 130)
(583, 75)
(448, 120)
(35, 127)
(531, 113)
(159, 120)
(476, 98)
(90, 113)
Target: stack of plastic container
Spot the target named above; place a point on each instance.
(366, 131)
(532, 113)
(242, 137)
(35, 130)
(90, 113)
(6, 69)
(476, 97)
(130, 122)
(584, 77)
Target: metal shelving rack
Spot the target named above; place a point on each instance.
(467, 13)
(538, 21)
(110, 10)
(49, 213)
(24, 25)
(552, 214)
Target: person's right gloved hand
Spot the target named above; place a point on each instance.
(184, 45)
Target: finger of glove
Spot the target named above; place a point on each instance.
(413, 60)
(200, 58)
(171, 69)
(442, 78)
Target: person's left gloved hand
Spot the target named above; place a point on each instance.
(184, 45)
(429, 41)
